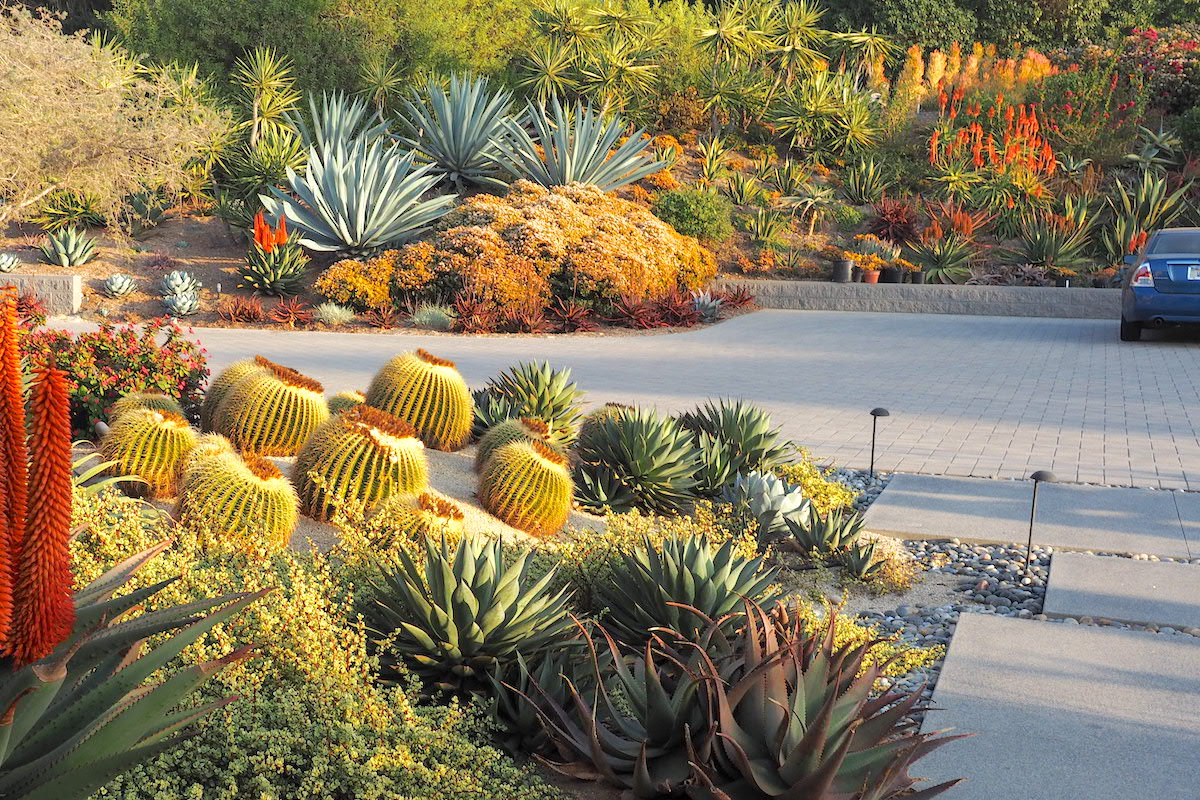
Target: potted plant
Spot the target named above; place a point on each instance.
(1063, 276)
(873, 255)
(842, 270)
(912, 271)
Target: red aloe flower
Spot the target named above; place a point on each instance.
(14, 455)
(43, 610)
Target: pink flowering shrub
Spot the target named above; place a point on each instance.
(103, 366)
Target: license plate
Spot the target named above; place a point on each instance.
(1194, 273)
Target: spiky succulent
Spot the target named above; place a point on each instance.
(826, 535)
(858, 560)
(428, 393)
(344, 401)
(105, 699)
(358, 196)
(149, 445)
(527, 484)
(455, 128)
(333, 315)
(68, 247)
(707, 306)
(650, 457)
(155, 401)
(665, 588)
(338, 118)
(8, 262)
(457, 617)
(182, 305)
(432, 317)
(360, 456)
(769, 500)
(271, 411)
(119, 285)
(222, 383)
(278, 272)
(529, 389)
(515, 701)
(178, 282)
(745, 431)
(430, 515)
(525, 429)
(245, 499)
(574, 146)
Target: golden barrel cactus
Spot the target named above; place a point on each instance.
(344, 401)
(525, 429)
(225, 380)
(527, 484)
(271, 411)
(363, 455)
(247, 499)
(151, 400)
(151, 445)
(408, 522)
(429, 394)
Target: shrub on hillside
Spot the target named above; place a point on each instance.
(696, 212)
(105, 365)
(83, 119)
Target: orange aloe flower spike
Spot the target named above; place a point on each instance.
(14, 455)
(43, 609)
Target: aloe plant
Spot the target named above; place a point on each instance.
(358, 196)
(575, 146)
(456, 128)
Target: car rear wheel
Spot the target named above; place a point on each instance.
(1130, 331)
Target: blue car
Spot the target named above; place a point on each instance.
(1164, 286)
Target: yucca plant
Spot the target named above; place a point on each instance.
(812, 200)
(529, 389)
(826, 535)
(769, 500)
(119, 285)
(713, 153)
(765, 225)
(456, 128)
(573, 146)
(788, 177)
(682, 586)
(865, 182)
(457, 617)
(358, 196)
(254, 168)
(63, 208)
(70, 246)
(651, 458)
(743, 189)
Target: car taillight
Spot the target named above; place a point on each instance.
(1143, 276)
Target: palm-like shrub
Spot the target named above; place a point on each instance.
(362, 455)
(636, 459)
(865, 182)
(271, 411)
(245, 499)
(456, 617)
(358, 196)
(428, 393)
(574, 146)
(149, 445)
(456, 128)
(665, 588)
(533, 390)
(528, 485)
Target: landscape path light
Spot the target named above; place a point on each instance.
(1039, 477)
(876, 413)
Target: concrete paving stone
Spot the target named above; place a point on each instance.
(1188, 506)
(1111, 519)
(1067, 713)
(1123, 589)
(937, 507)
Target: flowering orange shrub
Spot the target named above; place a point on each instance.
(664, 180)
(362, 285)
(520, 250)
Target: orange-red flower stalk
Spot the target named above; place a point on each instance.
(266, 237)
(14, 456)
(43, 610)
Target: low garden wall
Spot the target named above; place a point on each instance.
(993, 301)
(62, 294)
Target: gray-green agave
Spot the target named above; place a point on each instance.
(576, 146)
(8, 262)
(335, 121)
(119, 285)
(456, 128)
(769, 500)
(68, 247)
(707, 306)
(682, 587)
(460, 616)
(182, 305)
(178, 282)
(358, 196)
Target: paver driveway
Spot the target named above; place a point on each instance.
(983, 396)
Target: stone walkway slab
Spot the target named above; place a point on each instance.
(1067, 713)
(1124, 590)
(1071, 517)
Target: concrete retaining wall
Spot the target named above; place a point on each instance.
(993, 301)
(62, 294)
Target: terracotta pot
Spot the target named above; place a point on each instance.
(870, 276)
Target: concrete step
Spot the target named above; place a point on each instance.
(1124, 590)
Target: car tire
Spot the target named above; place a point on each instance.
(1130, 331)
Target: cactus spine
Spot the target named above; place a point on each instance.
(220, 386)
(527, 485)
(525, 429)
(344, 401)
(429, 394)
(246, 499)
(363, 455)
(271, 412)
(150, 445)
(151, 400)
